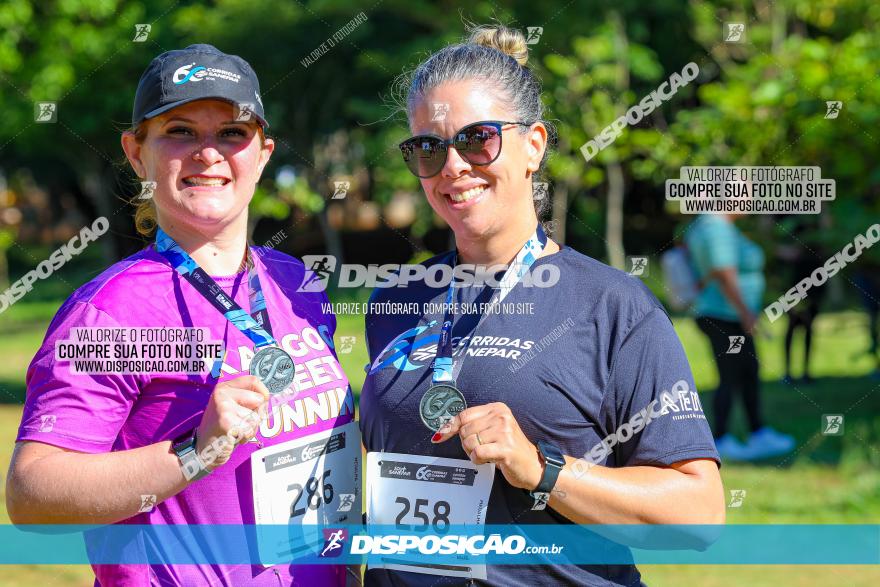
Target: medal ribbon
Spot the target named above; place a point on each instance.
(255, 326)
(445, 369)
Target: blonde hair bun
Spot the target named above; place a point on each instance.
(509, 41)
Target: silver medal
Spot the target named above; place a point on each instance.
(440, 404)
(274, 367)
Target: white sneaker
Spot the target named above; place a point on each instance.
(731, 449)
(766, 443)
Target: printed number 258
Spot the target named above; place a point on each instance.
(441, 514)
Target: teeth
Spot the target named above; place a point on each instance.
(213, 181)
(467, 195)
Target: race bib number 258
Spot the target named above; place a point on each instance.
(420, 494)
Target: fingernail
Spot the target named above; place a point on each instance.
(437, 436)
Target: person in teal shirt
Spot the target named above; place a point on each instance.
(732, 269)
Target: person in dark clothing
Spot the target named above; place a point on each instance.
(802, 316)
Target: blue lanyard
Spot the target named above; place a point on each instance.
(257, 326)
(445, 370)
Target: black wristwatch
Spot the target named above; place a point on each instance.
(184, 446)
(553, 463)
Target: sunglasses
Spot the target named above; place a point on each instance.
(478, 143)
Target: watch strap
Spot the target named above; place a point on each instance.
(190, 464)
(548, 479)
(553, 463)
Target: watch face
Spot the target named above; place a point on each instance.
(183, 442)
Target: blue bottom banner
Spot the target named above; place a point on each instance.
(445, 545)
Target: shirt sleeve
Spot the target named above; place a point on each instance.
(75, 411)
(657, 412)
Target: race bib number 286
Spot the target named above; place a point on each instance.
(306, 484)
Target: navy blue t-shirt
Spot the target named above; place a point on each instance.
(573, 362)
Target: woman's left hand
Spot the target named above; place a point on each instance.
(490, 434)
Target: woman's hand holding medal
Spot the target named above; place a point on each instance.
(233, 413)
(491, 434)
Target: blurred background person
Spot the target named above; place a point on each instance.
(731, 267)
(803, 255)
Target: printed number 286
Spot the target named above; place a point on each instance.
(441, 514)
(314, 498)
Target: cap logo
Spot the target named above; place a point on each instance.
(185, 74)
(194, 73)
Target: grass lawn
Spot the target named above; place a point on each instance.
(827, 480)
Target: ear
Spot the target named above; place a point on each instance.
(265, 154)
(536, 144)
(133, 153)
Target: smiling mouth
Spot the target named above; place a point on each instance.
(205, 181)
(467, 194)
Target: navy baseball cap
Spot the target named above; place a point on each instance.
(198, 72)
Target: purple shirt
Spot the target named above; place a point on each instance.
(102, 413)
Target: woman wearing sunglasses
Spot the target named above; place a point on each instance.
(570, 402)
(139, 446)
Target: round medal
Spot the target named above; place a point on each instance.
(440, 404)
(274, 367)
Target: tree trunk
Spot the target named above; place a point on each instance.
(331, 237)
(560, 211)
(97, 185)
(4, 270)
(614, 171)
(614, 215)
